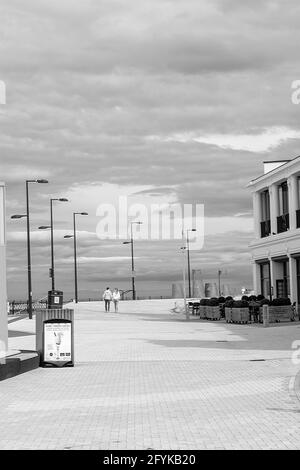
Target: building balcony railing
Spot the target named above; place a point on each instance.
(265, 228)
(283, 223)
(298, 218)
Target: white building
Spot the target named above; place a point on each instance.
(3, 304)
(276, 247)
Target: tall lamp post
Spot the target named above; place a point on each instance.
(132, 258)
(17, 216)
(188, 258)
(43, 227)
(75, 251)
(219, 281)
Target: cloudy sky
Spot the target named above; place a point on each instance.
(172, 101)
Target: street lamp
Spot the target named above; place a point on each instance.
(132, 258)
(188, 258)
(18, 216)
(44, 227)
(75, 251)
(187, 313)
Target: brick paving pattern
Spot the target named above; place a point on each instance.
(147, 379)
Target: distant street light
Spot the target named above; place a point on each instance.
(44, 227)
(75, 251)
(132, 258)
(188, 257)
(17, 216)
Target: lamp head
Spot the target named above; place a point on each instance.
(18, 216)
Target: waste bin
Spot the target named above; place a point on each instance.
(55, 299)
(55, 337)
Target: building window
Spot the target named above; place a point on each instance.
(283, 223)
(283, 284)
(265, 224)
(265, 280)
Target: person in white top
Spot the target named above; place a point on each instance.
(116, 298)
(107, 297)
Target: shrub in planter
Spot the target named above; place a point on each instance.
(245, 297)
(240, 311)
(281, 301)
(229, 297)
(260, 297)
(264, 302)
(280, 309)
(253, 298)
(213, 302)
(222, 300)
(240, 304)
(203, 307)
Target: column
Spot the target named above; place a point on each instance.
(293, 200)
(3, 297)
(274, 207)
(273, 278)
(293, 279)
(257, 214)
(256, 278)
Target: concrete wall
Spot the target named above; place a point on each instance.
(3, 295)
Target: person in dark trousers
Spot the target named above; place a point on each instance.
(107, 297)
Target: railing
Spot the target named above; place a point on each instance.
(17, 307)
(283, 223)
(265, 228)
(298, 218)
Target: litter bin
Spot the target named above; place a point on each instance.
(55, 299)
(55, 337)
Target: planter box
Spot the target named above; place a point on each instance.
(203, 309)
(228, 314)
(240, 315)
(280, 313)
(213, 313)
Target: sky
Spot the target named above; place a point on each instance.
(162, 102)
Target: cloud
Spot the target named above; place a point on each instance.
(262, 142)
(88, 82)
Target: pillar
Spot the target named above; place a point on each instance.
(257, 214)
(274, 207)
(293, 200)
(293, 279)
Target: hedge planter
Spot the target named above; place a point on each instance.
(203, 309)
(240, 315)
(213, 313)
(280, 313)
(228, 314)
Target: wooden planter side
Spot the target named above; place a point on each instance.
(240, 315)
(203, 311)
(228, 314)
(280, 313)
(213, 313)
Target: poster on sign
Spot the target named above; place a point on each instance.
(57, 341)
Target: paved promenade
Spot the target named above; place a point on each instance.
(147, 379)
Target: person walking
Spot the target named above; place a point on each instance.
(116, 298)
(107, 297)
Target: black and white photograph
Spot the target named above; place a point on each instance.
(149, 228)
